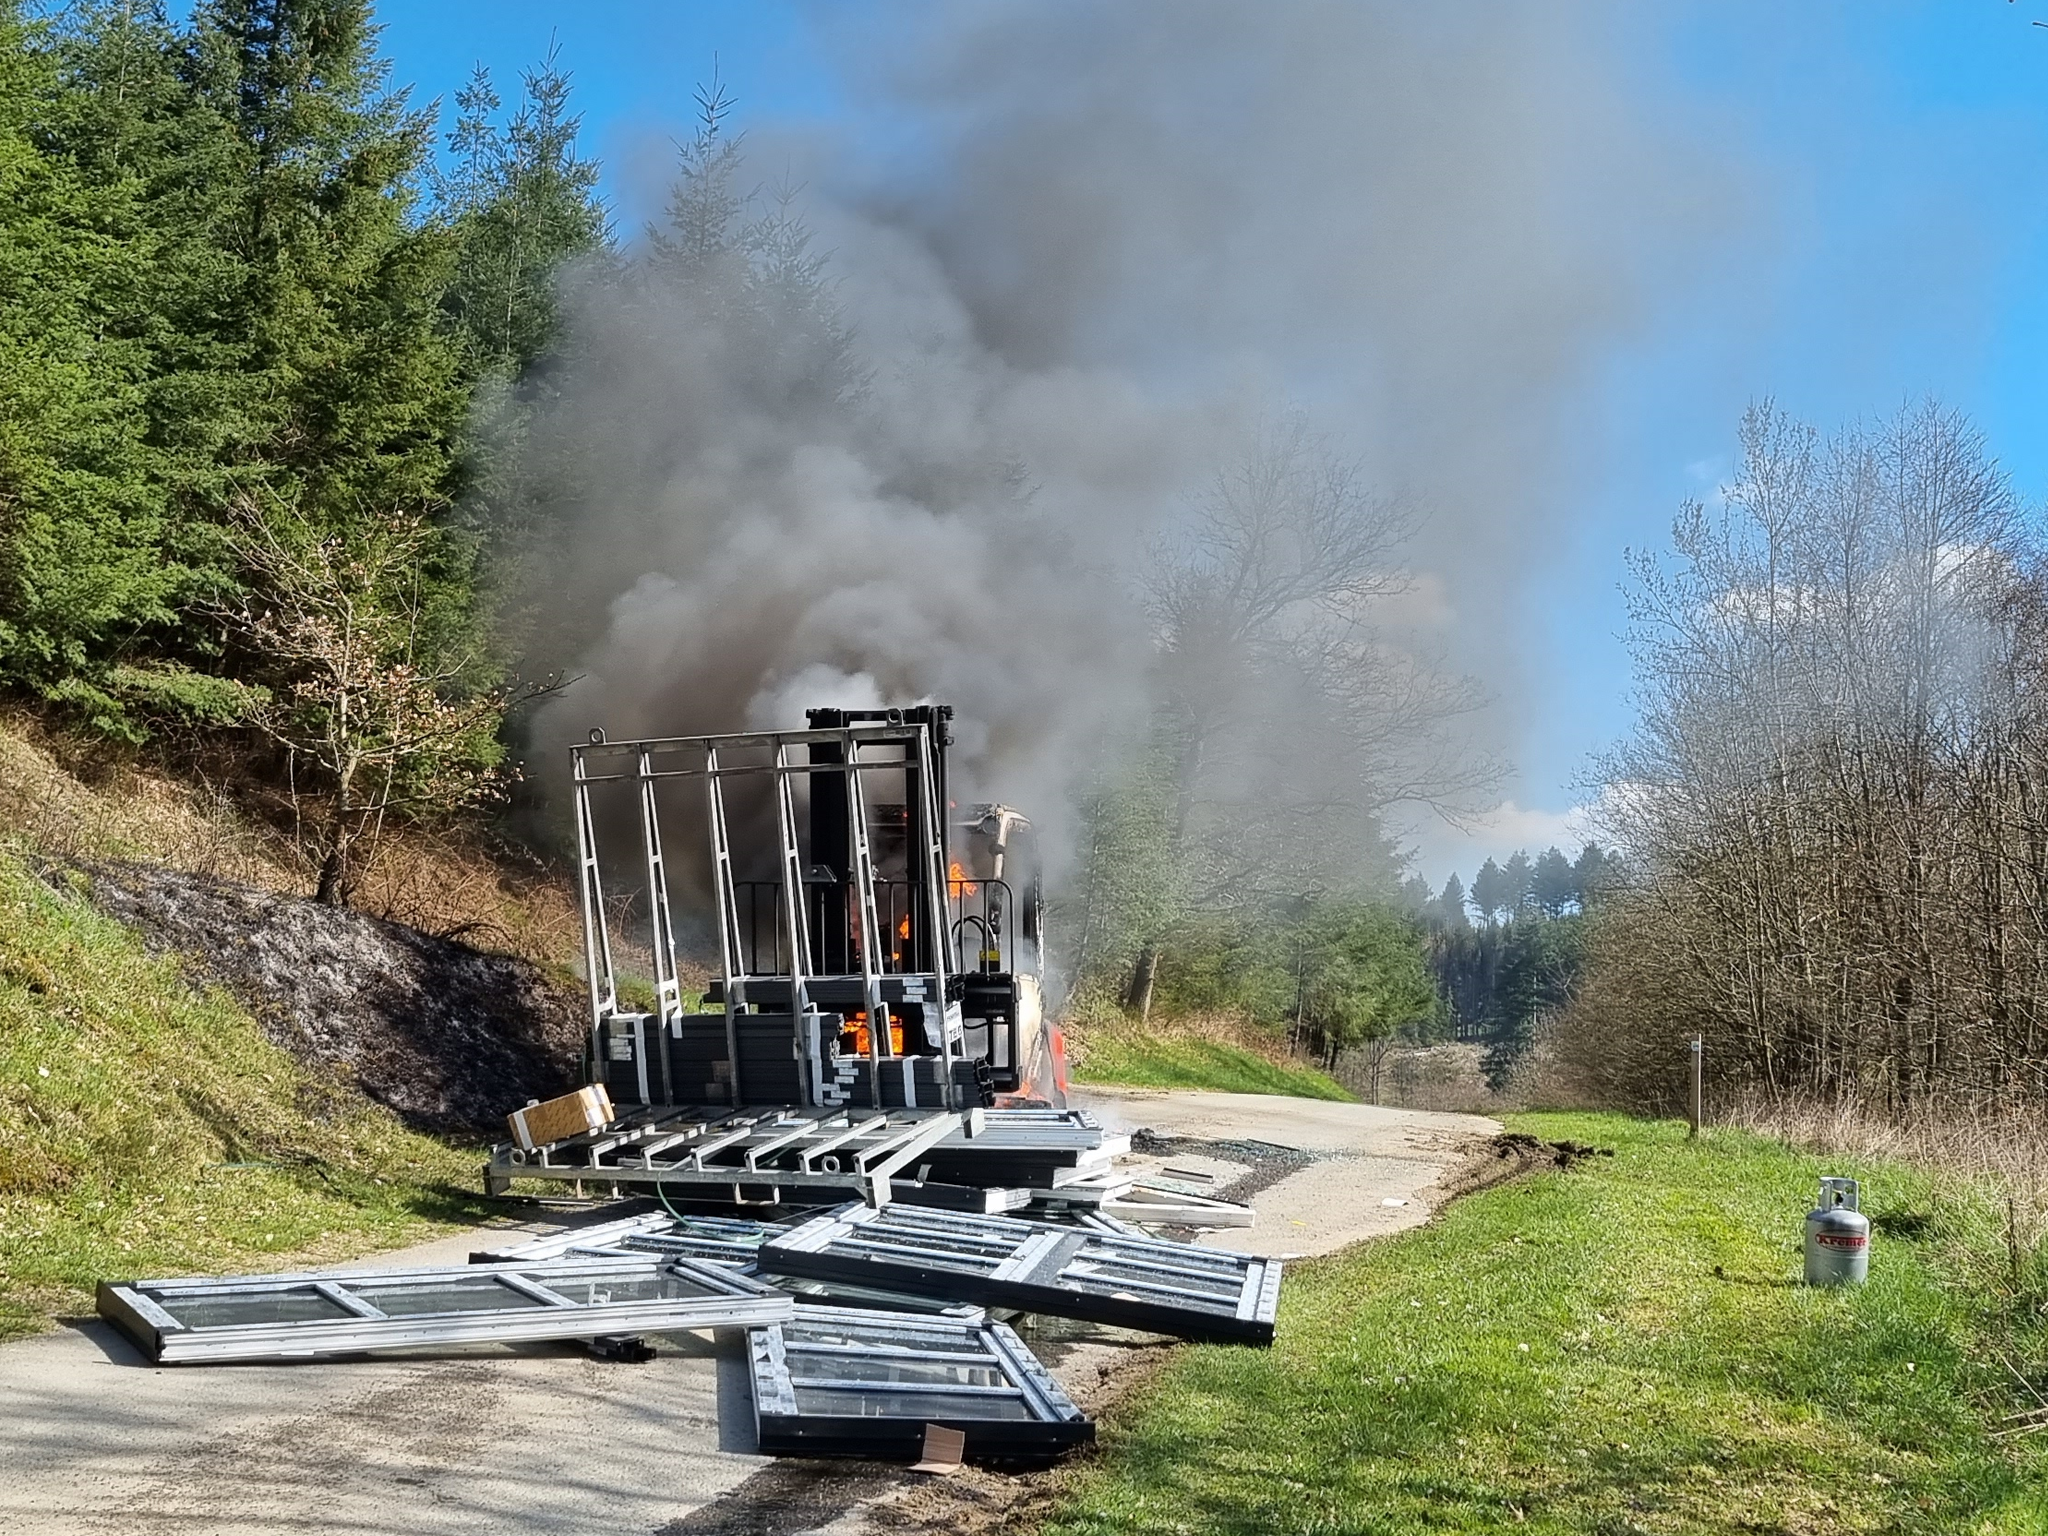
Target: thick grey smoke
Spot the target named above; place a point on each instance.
(1079, 250)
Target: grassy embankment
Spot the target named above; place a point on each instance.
(1217, 1054)
(147, 1128)
(1619, 1348)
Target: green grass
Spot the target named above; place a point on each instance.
(1561, 1356)
(147, 1128)
(1132, 1059)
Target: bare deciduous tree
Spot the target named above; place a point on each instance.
(386, 723)
(1289, 723)
(1835, 805)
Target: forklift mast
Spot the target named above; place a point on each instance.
(895, 959)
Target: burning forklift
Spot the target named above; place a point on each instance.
(892, 958)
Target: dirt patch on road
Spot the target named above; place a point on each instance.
(1510, 1155)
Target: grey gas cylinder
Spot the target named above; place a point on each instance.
(1838, 1236)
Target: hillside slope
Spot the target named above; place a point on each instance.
(149, 1126)
(447, 1037)
(1214, 1052)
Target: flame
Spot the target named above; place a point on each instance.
(903, 928)
(855, 1036)
(957, 883)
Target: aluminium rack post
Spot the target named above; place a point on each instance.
(862, 859)
(731, 950)
(597, 939)
(668, 990)
(939, 890)
(796, 923)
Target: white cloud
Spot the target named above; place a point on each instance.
(1441, 848)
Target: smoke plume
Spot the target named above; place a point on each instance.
(1061, 263)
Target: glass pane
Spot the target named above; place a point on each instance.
(230, 1311)
(881, 1368)
(1098, 1277)
(908, 1405)
(860, 1334)
(718, 1250)
(483, 1294)
(610, 1290)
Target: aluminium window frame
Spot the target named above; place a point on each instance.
(146, 1310)
(1211, 1295)
(778, 1352)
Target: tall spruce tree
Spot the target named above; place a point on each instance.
(352, 383)
(521, 201)
(1553, 884)
(82, 562)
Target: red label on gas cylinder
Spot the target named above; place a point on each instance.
(1841, 1240)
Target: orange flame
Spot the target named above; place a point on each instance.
(855, 1036)
(958, 884)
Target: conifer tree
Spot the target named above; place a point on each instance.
(82, 560)
(521, 201)
(1553, 886)
(1491, 893)
(352, 382)
(1516, 876)
(1451, 904)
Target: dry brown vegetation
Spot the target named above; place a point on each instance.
(82, 802)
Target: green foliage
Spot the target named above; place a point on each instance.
(82, 505)
(1553, 883)
(1141, 1059)
(1539, 961)
(150, 1128)
(1126, 889)
(1522, 961)
(1617, 1348)
(1492, 892)
(219, 284)
(520, 201)
(348, 379)
(1332, 974)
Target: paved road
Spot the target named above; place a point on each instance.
(94, 1440)
(1370, 1171)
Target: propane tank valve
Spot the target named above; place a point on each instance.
(1838, 1236)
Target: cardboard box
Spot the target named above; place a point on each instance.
(587, 1109)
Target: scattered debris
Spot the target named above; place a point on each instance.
(977, 1161)
(944, 1451)
(587, 1109)
(630, 1349)
(1519, 1146)
(1208, 1294)
(870, 1076)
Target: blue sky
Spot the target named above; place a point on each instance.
(1900, 150)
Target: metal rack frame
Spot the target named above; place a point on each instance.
(1208, 1294)
(715, 759)
(765, 1156)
